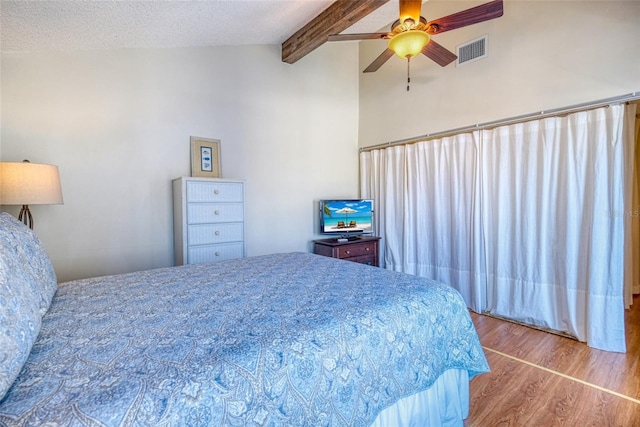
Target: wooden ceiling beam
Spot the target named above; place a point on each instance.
(335, 19)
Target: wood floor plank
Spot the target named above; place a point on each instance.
(554, 380)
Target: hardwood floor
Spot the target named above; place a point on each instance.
(542, 379)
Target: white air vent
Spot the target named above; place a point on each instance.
(473, 50)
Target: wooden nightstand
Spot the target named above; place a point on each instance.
(363, 249)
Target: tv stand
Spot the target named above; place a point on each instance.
(362, 249)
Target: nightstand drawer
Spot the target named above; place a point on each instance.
(199, 213)
(204, 234)
(355, 250)
(363, 250)
(364, 259)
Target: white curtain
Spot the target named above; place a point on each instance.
(553, 215)
(526, 221)
(431, 225)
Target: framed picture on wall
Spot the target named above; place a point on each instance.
(205, 157)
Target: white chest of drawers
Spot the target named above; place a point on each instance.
(208, 219)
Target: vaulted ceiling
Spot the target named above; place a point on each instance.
(85, 25)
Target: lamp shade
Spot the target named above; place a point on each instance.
(27, 183)
(409, 43)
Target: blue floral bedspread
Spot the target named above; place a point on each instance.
(289, 339)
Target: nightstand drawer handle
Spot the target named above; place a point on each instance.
(347, 252)
(217, 232)
(216, 191)
(217, 212)
(367, 249)
(217, 253)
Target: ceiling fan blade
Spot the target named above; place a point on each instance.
(377, 63)
(361, 36)
(477, 14)
(410, 9)
(439, 54)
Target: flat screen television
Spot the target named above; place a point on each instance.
(346, 217)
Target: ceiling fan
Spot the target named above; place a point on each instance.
(411, 34)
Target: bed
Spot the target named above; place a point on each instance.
(292, 339)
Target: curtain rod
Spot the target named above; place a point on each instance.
(512, 120)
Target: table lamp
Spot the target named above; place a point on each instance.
(25, 183)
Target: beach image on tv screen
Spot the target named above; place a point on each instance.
(347, 216)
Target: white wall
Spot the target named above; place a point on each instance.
(118, 122)
(542, 55)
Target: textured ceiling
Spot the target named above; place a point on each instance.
(82, 25)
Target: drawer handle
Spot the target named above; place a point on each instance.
(216, 191)
(367, 249)
(217, 253)
(217, 212)
(347, 252)
(217, 232)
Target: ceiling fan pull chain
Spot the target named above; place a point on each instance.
(408, 77)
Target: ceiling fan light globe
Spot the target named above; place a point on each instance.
(409, 43)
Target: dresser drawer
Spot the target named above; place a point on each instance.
(203, 234)
(201, 191)
(199, 213)
(209, 253)
(355, 250)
